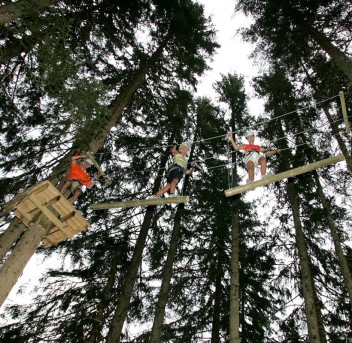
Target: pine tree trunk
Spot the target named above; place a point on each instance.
(9, 237)
(235, 271)
(155, 335)
(341, 59)
(120, 314)
(119, 104)
(102, 306)
(235, 257)
(21, 254)
(316, 332)
(125, 96)
(308, 289)
(346, 273)
(215, 330)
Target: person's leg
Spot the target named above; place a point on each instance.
(250, 167)
(65, 186)
(163, 190)
(75, 195)
(173, 185)
(262, 163)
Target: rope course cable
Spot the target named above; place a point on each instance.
(203, 160)
(243, 130)
(160, 171)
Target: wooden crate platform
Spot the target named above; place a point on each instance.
(44, 198)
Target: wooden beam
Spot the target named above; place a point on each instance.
(284, 175)
(51, 242)
(51, 216)
(144, 202)
(52, 201)
(67, 217)
(344, 111)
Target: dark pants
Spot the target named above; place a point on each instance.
(175, 173)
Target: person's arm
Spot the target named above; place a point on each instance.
(271, 152)
(189, 171)
(97, 176)
(235, 146)
(174, 150)
(91, 183)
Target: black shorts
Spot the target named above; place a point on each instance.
(175, 173)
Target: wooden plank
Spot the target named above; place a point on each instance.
(144, 202)
(48, 242)
(49, 214)
(52, 201)
(77, 223)
(54, 237)
(24, 217)
(11, 205)
(344, 111)
(284, 175)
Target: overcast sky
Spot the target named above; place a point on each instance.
(233, 55)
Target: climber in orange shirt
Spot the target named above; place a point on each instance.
(78, 178)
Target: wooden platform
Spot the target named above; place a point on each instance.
(284, 175)
(45, 199)
(144, 202)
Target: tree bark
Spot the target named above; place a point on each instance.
(307, 284)
(99, 318)
(346, 273)
(15, 263)
(235, 258)
(316, 332)
(235, 280)
(155, 336)
(132, 272)
(215, 330)
(340, 58)
(9, 237)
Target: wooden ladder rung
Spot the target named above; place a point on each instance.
(67, 217)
